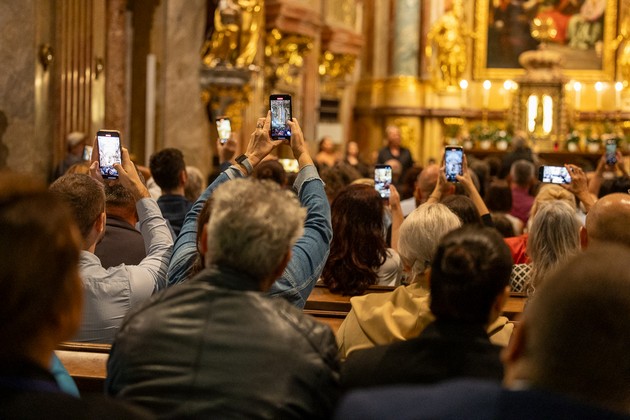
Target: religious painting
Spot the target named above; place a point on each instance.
(581, 31)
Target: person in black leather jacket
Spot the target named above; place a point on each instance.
(216, 346)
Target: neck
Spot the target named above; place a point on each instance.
(128, 215)
(175, 191)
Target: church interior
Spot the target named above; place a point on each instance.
(446, 72)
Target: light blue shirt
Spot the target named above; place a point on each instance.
(110, 293)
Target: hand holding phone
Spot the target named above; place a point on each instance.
(382, 180)
(453, 162)
(281, 112)
(554, 175)
(109, 152)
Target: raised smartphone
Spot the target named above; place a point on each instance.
(281, 112)
(382, 180)
(453, 162)
(224, 128)
(611, 152)
(554, 175)
(109, 152)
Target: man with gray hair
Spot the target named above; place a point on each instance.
(219, 347)
(522, 176)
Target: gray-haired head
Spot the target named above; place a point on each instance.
(421, 232)
(554, 237)
(522, 172)
(253, 225)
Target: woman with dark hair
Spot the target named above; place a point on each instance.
(498, 198)
(359, 256)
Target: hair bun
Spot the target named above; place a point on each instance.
(457, 260)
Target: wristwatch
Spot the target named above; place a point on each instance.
(245, 163)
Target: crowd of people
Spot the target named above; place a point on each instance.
(200, 290)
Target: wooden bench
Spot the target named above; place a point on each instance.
(332, 308)
(86, 363)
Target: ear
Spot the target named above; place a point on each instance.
(266, 283)
(583, 237)
(183, 177)
(203, 241)
(99, 223)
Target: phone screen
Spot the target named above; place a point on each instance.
(280, 106)
(109, 153)
(453, 162)
(382, 180)
(87, 152)
(224, 128)
(611, 150)
(554, 175)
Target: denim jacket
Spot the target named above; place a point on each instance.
(309, 253)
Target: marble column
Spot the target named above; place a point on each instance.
(26, 136)
(185, 123)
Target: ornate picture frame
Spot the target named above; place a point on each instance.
(505, 32)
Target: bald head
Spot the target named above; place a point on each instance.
(609, 220)
(426, 181)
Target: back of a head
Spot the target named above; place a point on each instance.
(609, 220)
(84, 195)
(463, 207)
(271, 170)
(337, 177)
(428, 179)
(421, 232)
(576, 330)
(471, 268)
(522, 172)
(358, 246)
(166, 166)
(498, 197)
(551, 192)
(118, 196)
(194, 184)
(554, 236)
(252, 226)
(619, 184)
(39, 259)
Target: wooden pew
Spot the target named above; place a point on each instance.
(86, 363)
(331, 308)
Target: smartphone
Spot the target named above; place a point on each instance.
(554, 175)
(281, 112)
(87, 153)
(453, 162)
(611, 152)
(382, 180)
(224, 128)
(109, 152)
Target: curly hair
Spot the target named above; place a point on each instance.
(358, 247)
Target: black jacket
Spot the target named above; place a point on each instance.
(444, 350)
(214, 347)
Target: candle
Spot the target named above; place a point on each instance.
(618, 89)
(463, 84)
(578, 94)
(599, 86)
(486, 93)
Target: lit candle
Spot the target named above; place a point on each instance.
(599, 86)
(578, 94)
(618, 89)
(507, 86)
(486, 93)
(463, 84)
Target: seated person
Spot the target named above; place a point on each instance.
(359, 255)
(122, 243)
(218, 346)
(41, 305)
(168, 169)
(469, 286)
(382, 318)
(110, 293)
(568, 358)
(309, 252)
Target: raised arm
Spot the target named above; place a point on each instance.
(474, 195)
(310, 252)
